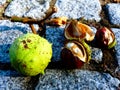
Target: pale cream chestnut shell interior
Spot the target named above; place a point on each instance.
(78, 30)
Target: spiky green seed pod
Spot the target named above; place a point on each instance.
(30, 54)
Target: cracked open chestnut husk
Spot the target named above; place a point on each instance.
(105, 38)
(75, 54)
(76, 30)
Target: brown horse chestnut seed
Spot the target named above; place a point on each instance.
(105, 38)
(75, 54)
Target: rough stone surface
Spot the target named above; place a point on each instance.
(114, 13)
(88, 9)
(117, 47)
(8, 32)
(2, 2)
(96, 55)
(28, 8)
(13, 83)
(11, 73)
(70, 8)
(76, 80)
(56, 37)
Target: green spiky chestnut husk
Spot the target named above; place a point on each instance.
(30, 54)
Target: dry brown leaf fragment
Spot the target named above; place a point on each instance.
(59, 21)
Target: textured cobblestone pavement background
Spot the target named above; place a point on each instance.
(96, 76)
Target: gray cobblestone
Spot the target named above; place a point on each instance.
(88, 9)
(28, 8)
(13, 83)
(114, 13)
(77, 80)
(117, 47)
